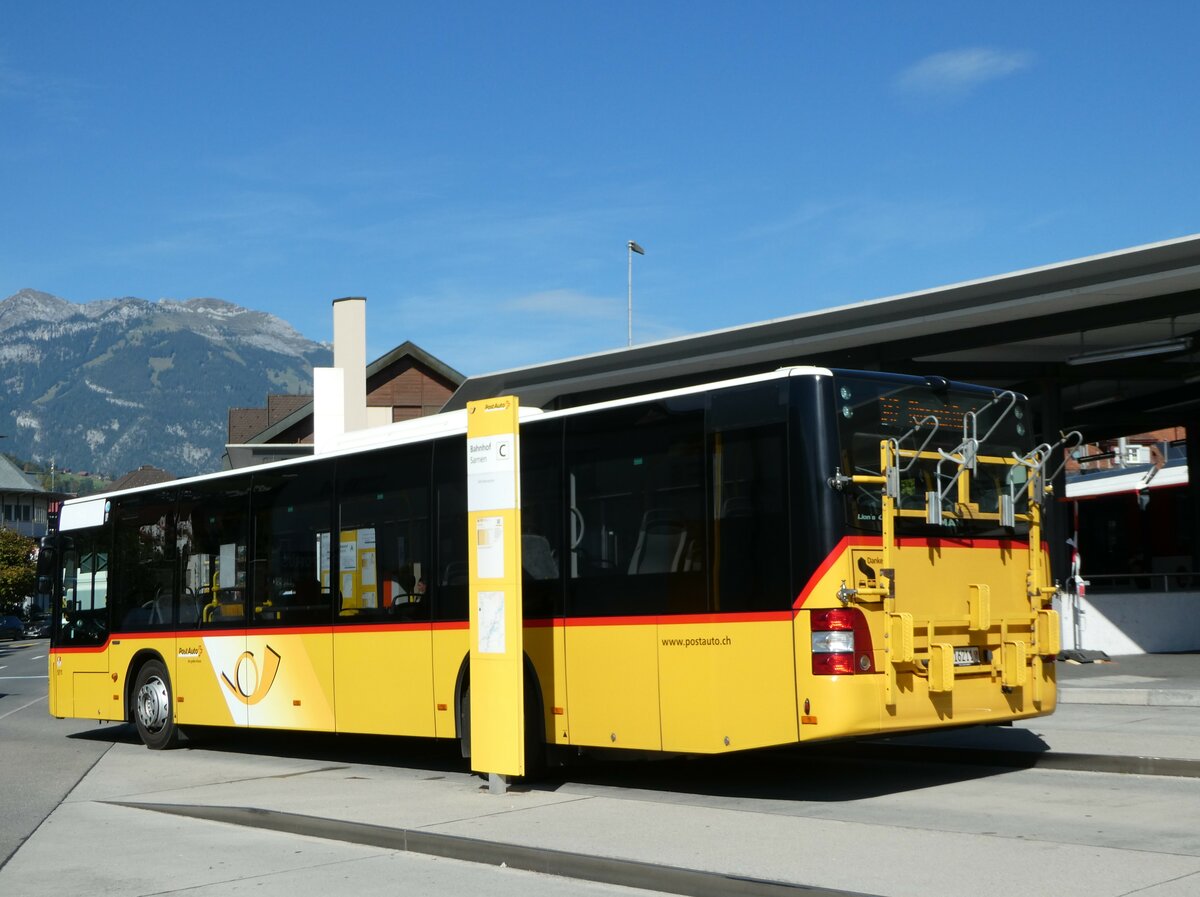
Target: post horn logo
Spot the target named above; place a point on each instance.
(250, 685)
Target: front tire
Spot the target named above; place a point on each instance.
(154, 708)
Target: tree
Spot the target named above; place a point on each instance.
(18, 570)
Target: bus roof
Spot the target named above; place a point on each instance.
(91, 510)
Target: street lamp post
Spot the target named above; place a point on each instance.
(633, 247)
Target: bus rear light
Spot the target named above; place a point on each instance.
(836, 636)
(834, 620)
(833, 642)
(833, 664)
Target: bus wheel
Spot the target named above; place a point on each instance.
(153, 713)
(464, 722)
(535, 737)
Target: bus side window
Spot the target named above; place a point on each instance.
(84, 609)
(212, 549)
(635, 485)
(450, 504)
(293, 514)
(748, 507)
(542, 515)
(383, 518)
(143, 588)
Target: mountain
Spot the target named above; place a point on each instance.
(118, 383)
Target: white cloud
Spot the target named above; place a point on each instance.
(958, 72)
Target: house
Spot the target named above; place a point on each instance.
(405, 383)
(26, 504)
(146, 475)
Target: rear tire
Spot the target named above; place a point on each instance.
(464, 722)
(153, 709)
(535, 734)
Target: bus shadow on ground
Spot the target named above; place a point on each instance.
(375, 750)
(826, 773)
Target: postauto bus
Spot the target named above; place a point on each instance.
(801, 555)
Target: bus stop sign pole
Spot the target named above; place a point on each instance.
(497, 705)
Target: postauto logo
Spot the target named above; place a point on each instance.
(250, 684)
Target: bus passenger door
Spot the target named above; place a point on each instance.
(635, 484)
(211, 676)
(611, 655)
(727, 677)
(80, 680)
(383, 640)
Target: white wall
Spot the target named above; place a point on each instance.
(1136, 622)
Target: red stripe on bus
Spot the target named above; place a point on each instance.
(934, 542)
(382, 627)
(750, 616)
(831, 559)
(97, 649)
(765, 616)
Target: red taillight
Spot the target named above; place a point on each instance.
(835, 647)
(841, 620)
(840, 664)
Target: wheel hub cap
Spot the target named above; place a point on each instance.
(152, 704)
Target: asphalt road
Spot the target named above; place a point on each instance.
(41, 758)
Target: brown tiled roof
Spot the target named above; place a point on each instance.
(146, 475)
(245, 423)
(280, 406)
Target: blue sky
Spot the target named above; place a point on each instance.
(476, 169)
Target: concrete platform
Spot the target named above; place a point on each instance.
(1147, 680)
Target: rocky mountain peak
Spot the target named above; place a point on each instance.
(114, 384)
(34, 305)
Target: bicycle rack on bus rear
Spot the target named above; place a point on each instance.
(1015, 657)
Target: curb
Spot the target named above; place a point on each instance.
(1140, 697)
(565, 864)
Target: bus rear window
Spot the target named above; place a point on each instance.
(918, 415)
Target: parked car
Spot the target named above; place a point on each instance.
(38, 627)
(11, 627)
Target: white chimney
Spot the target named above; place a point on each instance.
(340, 392)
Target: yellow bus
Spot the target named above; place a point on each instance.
(801, 555)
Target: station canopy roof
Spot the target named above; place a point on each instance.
(1111, 339)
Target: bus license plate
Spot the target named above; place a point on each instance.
(966, 657)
